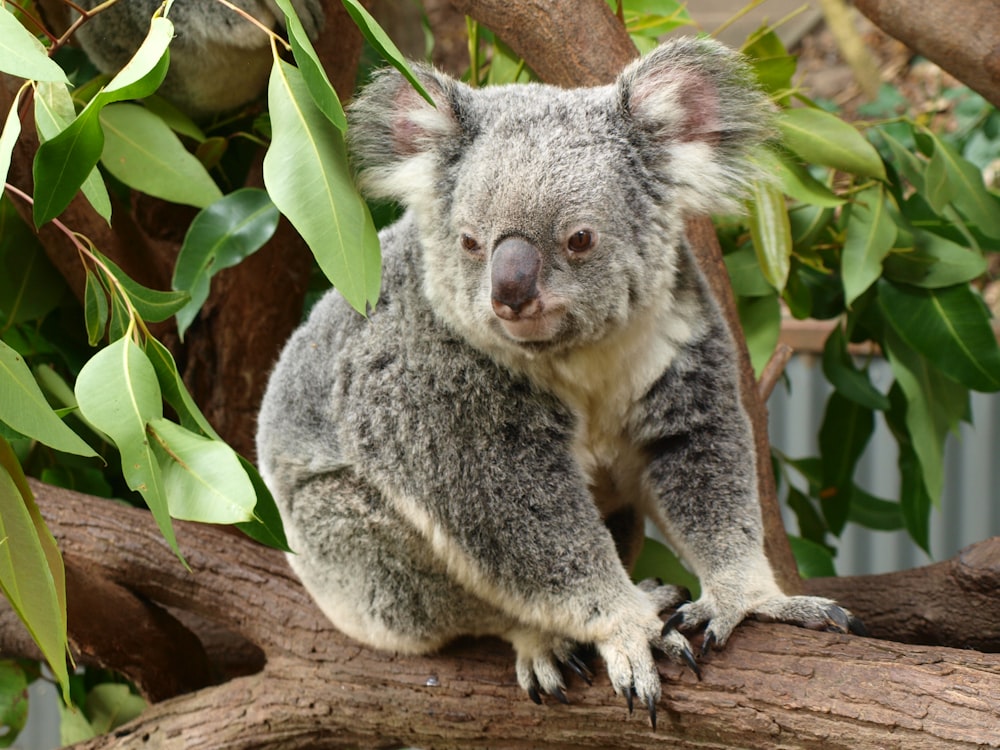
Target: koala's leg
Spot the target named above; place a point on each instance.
(372, 574)
(703, 474)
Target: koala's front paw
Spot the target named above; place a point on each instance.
(540, 657)
(719, 618)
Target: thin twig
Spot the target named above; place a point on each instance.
(773, 370)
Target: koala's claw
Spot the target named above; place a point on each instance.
(692, 664)
(707, 643)
(574, 663)
(651, 706)
(855, 626)
(533, 694)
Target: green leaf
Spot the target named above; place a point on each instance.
(203, 477)
(65, 161)
(23, 407)
(95, 308)
(141, 151)
(119, 394)
(30, 286)
(22, 55)
(821, 138)
(221, 236)
(174, 391)
(814, 560)
(797, 183)
(935, 262)
(970, 195)
(847, 427)
(13, 701)
(745, 275)
(378, 39)
(307, 177)
(874, 512)
(912, 168)
(319, 85)
(54, 111)
(870, 236)
(656, 560)
(32, 577)
(266, 526)
(915, 501)
(811, 523)
(771, 232)
(760, 318)
(934, 405)
(8, 137)
(850, 382)
(73, 725)
(950, 327)
(770, 60)
(110, 704)
(151, 304)
(938, 188)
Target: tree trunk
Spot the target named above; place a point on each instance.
(773, 685)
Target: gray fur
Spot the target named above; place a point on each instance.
(218, 61)
(445, 466)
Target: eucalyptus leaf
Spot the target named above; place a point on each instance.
(745, 275)
(174, 390)
(846, 429)
(23, 407)
(8, 137)
(874, 512)
(32, 577)
(814, 560)
(111, 704)
(760, 318)
(13, 700)
(771, 232)
(656, 560)
(30, 286)
(871, 234)
(151, 304)
(144, 153)
(266, 526)
(821, 138)
(949, 326)
(968, 192)
(850, 382)
(802, 186)
(308, 178)
(119, 394)
(935, 262)
(221, 235)
(203, 477)
(22, 55)
(95, 308)
(65, 161)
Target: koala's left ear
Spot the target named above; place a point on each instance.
(702, 115)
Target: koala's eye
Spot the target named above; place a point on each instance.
(580, 241)
(469, 244)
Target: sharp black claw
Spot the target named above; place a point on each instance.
(671, 624)
(689, 660)
(707, 644)
(533, 694)
(559, 695)
(854, 625)
(574, 663)
(628, 699)
(651, 705)
(837, 620)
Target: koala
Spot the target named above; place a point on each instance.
(545, 370)
(218, 60)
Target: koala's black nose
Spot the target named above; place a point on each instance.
(514, 276)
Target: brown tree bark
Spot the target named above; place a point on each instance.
(962, 36)
(772, 685)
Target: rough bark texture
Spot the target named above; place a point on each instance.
(963, 37)
(772, 686)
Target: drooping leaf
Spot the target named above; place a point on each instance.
(870, 236)
(145, 154)
(967, 191)
(54, 112)
(23, 407)
(152, 304)
(203, 477)
(811, 523)
(30, 286)
(63, 162)
(266, 526)
(821, 138)
(119, 394)
(174, 391)
(797, 183)
(8, 137)
(847, 427)
(874, 512)
(770, 60)
(221, 235)
(938, 190)
(22, 55)
(307, 177)
(771, 232)
(850, 382)
(745, 275)
(935, 262)
(814, 560)
(378, 39)
(95, 308)
(760, 318)
(948, 326)
(320, 88)
(32, 577)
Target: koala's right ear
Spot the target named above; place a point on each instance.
(396, 137)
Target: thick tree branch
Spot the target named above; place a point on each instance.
(574, 43)
(771, 684)
(963, 36)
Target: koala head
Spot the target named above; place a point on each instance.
(548, 217)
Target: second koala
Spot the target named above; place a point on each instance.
(545, 370)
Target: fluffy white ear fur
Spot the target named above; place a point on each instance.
(395, 133)
(696, 100)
